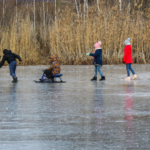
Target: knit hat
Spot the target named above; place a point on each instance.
(127, 41)
(97, 45)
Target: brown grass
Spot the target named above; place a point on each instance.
(71, 37)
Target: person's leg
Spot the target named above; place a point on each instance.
(48, 73)
(102, 76)
(99, 70)
(95, 75)
(128, 72)
(134, 75)
(130, 67)
(12, 67)
(15, 66)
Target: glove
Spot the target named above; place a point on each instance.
(123, 62)
(88, 54)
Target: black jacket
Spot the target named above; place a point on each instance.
(9, 57)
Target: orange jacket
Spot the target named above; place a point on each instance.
(55, 66)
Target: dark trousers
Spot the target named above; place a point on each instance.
(12, 68)
(49, 74)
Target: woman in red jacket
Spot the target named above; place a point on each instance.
(127, 59)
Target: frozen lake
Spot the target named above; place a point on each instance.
(77, 115)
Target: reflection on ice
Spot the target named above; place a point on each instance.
(77, 115)
(129, 117)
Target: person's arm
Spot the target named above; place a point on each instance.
(51, 67)
(95, 54)
(2, 62)
(17, 56)
(125, 54)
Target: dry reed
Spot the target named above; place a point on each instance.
(70, 36)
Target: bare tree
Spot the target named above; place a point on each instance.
(47, 6)
(98, 6)
(27, 5)
(3, 10)
(120, 4)
(43, 14)
(76, 7)
(16, 11)
(34, 13)
(87, 7)
(84, 8)
(129, 6)
(55, 10)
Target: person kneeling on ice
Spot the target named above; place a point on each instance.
(53, 69)
(97, 60)
(127, 59)
(11, 59)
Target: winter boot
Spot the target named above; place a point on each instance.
(102, 78)
(134, 77)
(15, 80)
(94, 78)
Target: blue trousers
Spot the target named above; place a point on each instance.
(97, 68)
(129, 68)
(12, 68)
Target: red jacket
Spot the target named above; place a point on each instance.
(127, 59)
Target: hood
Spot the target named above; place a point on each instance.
(127, 41)
(6, 51)
(53, 58)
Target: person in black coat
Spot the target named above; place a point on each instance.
(97, 61)
(11, 59)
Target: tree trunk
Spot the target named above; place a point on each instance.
(129, 6)
(87, 7)
(55, 10)
(34, 13)
(84, 9)
(47, 8)
(76, 7)
(98, 6)
(27, 4)
(16, 11)
(43, 14)
(120, 4)
(3, 11)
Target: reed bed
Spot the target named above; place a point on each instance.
(70, 36)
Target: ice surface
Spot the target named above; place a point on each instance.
(77, 115)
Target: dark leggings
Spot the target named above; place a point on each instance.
(129, 68)
(49, 74)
